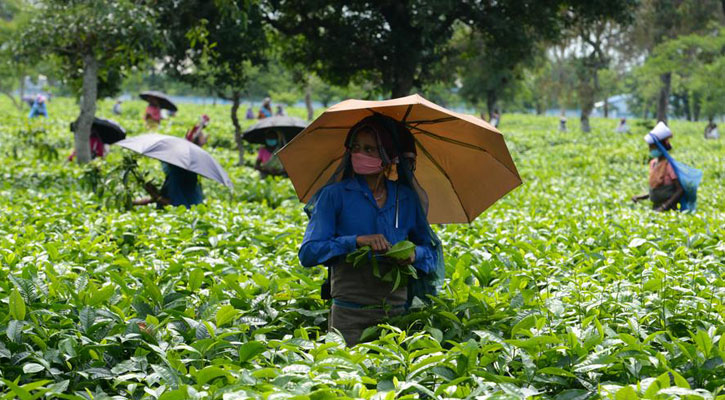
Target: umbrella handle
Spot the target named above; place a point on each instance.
(397, 204)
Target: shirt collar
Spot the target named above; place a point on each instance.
(358, 183)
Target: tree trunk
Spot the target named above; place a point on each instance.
(539, 108)
(308, 103)
(606, 107)
(584, 119)
(490, 102)
(686, 106)
(88, 109)
(402, 85)
(695, 107)
(664, 96)
(587, 107)
(236, 99)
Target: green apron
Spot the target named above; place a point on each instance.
(361, 300)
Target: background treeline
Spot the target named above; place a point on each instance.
(666, 56)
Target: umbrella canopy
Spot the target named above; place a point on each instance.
(164, 100)
(179, 152)
(289, 126)
(463, 162)
(108, 130)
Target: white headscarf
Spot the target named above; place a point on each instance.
(660, 131)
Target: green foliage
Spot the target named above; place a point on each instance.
(118, 34)
(212, 43)
(563, 289)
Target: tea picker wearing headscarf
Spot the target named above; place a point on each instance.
(665, 190)
(362, 207)
(38, 108)
(267, 163)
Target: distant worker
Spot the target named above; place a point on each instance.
(267, 163)
(622, 127)
(562, 124)
(38, 107)
(495, 118)
(266, 110)
(250, 113)
(280, 111)
(152, 115)
(116, 108)
(181, 187)
(98, 148)
(196, 133)
(711, 131)
(664, 186)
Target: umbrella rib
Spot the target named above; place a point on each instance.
(463, 144)
(319, 175)
(407, 113)
(329, 128)
(432, 121)
(442, 171)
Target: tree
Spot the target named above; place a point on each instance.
(487, 71)
(691, 64)
(215, 44)
(595, 27)
(609, 85)
(11, 68)
(662, 20)
(389, 42)
(88, 39)
(709, 81)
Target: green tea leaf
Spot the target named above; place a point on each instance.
(210, 373)
(17, 305)
(402, 250)
(250, 350)
(226, 314)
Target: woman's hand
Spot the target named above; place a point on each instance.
(377, 242)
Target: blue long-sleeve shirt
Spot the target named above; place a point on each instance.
(38, 109)
(347, 209)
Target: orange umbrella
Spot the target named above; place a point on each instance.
(463, 163)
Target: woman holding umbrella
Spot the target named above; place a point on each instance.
(157, 101)
(180, 188)
(266, 162)
(152, 115)
(182, 163)
(365, 208)
(344, 166)
(103, 133)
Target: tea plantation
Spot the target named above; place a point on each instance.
(564, 289)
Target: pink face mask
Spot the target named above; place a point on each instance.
(366, 165)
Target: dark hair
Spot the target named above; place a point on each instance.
(384, 128)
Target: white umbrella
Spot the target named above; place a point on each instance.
(179, 152)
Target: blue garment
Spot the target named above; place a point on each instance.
(347, 209)
(38, 109)
(181, 187)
